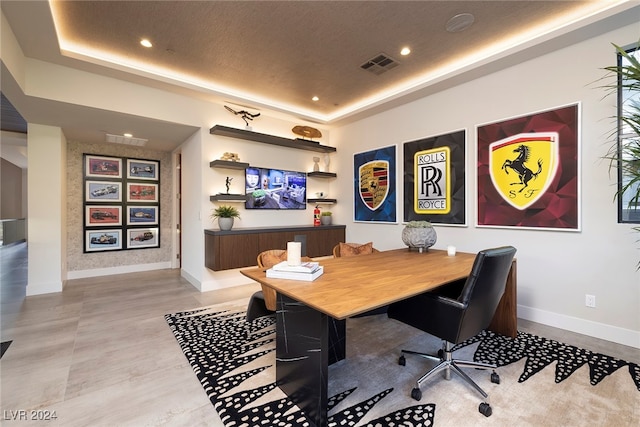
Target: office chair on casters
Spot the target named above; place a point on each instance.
(263, 303)
(457, 312)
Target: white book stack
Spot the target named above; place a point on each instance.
(307, 271)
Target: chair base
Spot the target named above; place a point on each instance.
(257, 307)
(446, 364)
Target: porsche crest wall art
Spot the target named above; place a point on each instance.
(434, 179)
(528, 171)
(375, 185)
(119, 205)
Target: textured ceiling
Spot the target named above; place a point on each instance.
(278, 54)
(289, 51)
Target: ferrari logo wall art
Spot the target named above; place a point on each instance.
(375, 185)
(528, 171)
(522, 166)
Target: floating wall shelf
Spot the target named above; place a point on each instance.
(300, 144)
(228, 198)
(226, 164)
(322, 201)
(322, 174)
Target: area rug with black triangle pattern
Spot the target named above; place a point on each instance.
(543, 382)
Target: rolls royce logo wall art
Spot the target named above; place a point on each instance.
(529, 172)
(435, 179)
(375, 185)
(432, 181)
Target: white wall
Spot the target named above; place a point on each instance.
(197, 207)
(555, 268)
(47, 221)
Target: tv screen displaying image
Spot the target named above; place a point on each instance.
(275, 189)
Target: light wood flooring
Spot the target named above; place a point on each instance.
(101, 354)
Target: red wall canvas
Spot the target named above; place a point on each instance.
(529, 171)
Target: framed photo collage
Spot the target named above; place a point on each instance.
(121, 203)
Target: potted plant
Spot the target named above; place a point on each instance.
(419, 234)
(625, 153)
(325, 218)
(225, 216)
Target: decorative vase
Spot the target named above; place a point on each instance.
(325, 220)
(421, 237)
(225, 224)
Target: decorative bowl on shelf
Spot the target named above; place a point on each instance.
(320, 195)
(306, 132)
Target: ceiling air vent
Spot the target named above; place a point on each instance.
(118, 139)
(379, 64)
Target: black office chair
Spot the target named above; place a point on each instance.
(457, 312)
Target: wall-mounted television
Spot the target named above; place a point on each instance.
(267, 188)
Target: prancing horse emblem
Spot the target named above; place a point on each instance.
(520, 181)
(518, 165)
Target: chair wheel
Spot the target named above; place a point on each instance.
(402, 361)
(495, 378)
(485, 409)
(416, 393)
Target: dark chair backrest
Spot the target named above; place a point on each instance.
(483, 289)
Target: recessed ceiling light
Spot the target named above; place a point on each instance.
(460, 22)
(405, 51)
(145, 43)
(315, 98)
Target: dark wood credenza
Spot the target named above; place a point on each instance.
(237, 248)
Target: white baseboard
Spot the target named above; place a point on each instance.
(189, 278)
(602, 331)
(81, 274)
(44, 288)
(224, 279)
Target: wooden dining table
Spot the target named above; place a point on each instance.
(310, 316)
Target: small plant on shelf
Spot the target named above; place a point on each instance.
(225, 212)
(225, 216)
(325, 218)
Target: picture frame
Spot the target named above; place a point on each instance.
(435, 179)
(142, 215)
(103, 215)
(375, 185)
(142, 192)
(103, 191)
(143, 169)
(102, 240)
(102, 167)
(113, 220)
(139, 238)
(525, 166)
